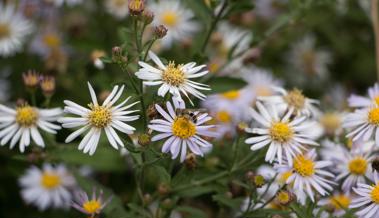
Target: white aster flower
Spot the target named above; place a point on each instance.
(91, 206)
(364, 124)
(357, 101)
(117, 8)
(285, 136)
(308, 175)
(292, 100)
(49, 187)
(172, 78)
(331, 123)
(353, 168)
(368, 199)
(176, 18)
(97, 118)
(183, 132)
(338, 203)
(22, 123)
(13, 30)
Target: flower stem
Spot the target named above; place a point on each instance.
(202, 181)
(375, 24)
(213, 25)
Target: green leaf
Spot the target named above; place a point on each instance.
(164, 176)
(224, 84)
(139, 210)
(191, 212)
(227, 201)
(197, 191)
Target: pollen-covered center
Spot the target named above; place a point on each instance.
(173, 75)
(223, 116)
(183, 128)
(91, 206)
(340, 202)
(50, 180)
(170, 18)
(4, 30)
(284, 177)
(26, 116)
(295, 98)
(331, 122)
(304, 166)
(231, 95)
(100, 116)
(376, 100)
(375, 194)
(373, 116)
(281, 132)
(51, 40)
(358, 166)
(283, 197)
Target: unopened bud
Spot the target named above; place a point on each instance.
(216, 38)
(241, 127)
(252, 56)
(144, 139)
(259, 181)
(31, 79)
(236, 189)
(147, 199)
(167, 203)
(47, 85)
(284, 198)
(136, 7)
(152, 112)
(191, 161)
(163, 189)
(160, 31)
(375, 164)
(21, 102)
(147, 16)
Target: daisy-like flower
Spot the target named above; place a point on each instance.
(357, 101)
(13, 30)
(117, 8)
(353, 168)
(97, 118)
(176, 18)
(363, 124)
(22, 123)
(284, 136)
(49, 187)
(292, 100)
(337, 203)
(308, 175)
(368, 199)
(172, 78)
(183, 132)
(331, 123)
(90, 206)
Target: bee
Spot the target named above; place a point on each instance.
(190, 114)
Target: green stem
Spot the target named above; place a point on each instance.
(148, 48)
(202, 181)
(213, 26)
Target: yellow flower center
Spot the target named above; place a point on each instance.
(223, 116)
(170, 18)
(213, 67)
(304, 166)
(295, 98)
(373, 116)
(100, 116)
(173, 75)
(331, 122)
(376, 99)
(375, 194)
(231, 95)
(358, 166)
(4, 30)
(120, 3)
(26, 116)
(340, 202)
(183, 128)
(284, 177)
(50, 180)
(92, 206)
(281, 132)
(283, 197)
(51, 40)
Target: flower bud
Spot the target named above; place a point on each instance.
(167, 204)
(252, 56)
(47, 85)
(147, 16)
(160, 31)
(117, 55)
(163, 189)
(241, 127)
(31, 79)
(284, 197)
(136, 7)
(259, 181)
(95, 57)
(144, 139)
(191, 161)
(375, 164)
(103, 95)
(147, 199)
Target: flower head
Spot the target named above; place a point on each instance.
(367, 199)
(97, 118)
(91, 206)
(357, 101)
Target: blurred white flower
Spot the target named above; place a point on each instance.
(97, 118)
(45, 42)
(14, 29)
(173, 78)
(338, 202)
(268, 9)
(117, 8)
(22, 123)
(284, 135)
(368, 198)
(182, 132)
(176, 18)
(49, 187)
(308, 175)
